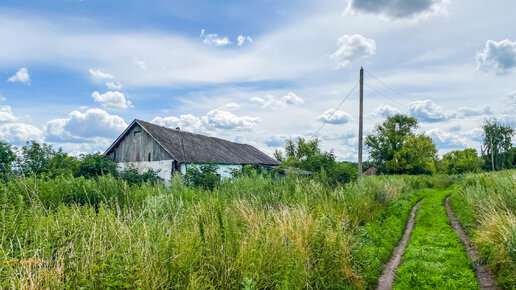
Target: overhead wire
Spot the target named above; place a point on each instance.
(385, 96)
(338, 107)
(391, 88)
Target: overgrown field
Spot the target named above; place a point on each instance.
(252, 232)
(485, 205)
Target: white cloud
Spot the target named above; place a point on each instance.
(20, 133)
(6, 115)
(242, 39)
(398, 9)
(351, 48)
(84, 127)
(497, 56)
(231, 106)
(445, 140)
(428, 111)
(292, 99)
(22, 76)
(187, 122)
(475, 134)
(384, 111)
(226, 120)
(111, 100)
(214, 39)
(214, 119)
(270, 101)
(99, 76)
(140, 63)
(335, 117)
(114, 85)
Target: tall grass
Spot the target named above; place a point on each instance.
(485, 205)
(251, 232)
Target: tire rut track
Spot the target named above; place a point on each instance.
(485, 278)
(391, 268)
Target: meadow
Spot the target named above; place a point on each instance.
(254, 232)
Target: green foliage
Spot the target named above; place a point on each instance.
(498, 142)
(35, 158)
(395, 149)
(434, 257)
(253, 232)
(204, 176)
(94, 165)
(131, 175)
(417, 156)
(460, 161)
(307, 155)
(7, 157)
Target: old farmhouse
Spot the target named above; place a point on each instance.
(146, 145)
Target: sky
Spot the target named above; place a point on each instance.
(75, 73)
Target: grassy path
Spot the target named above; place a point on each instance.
(435, 257)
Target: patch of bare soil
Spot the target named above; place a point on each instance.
(485, 278)
(391, 268)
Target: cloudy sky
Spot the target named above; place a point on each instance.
(75, 73)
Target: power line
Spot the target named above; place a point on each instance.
(391, 88)
(385, 96)
(338, 107)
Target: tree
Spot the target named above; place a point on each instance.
(93, 165)
(417, 156)
(7, 157)
(308, 156)
(497, 142)
(460, 161)
(204, 176)
(387, 140)
(35, 157)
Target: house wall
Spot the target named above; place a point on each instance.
(136, 146)
(165, 167)
(224, 170)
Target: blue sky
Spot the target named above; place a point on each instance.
(75, 73)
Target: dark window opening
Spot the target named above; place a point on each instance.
(114, 155)
(136, 133)
(149, 157)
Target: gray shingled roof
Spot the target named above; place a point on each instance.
(202, 149)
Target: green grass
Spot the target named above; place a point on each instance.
(485, 205)
(434, 257)
(251, 232)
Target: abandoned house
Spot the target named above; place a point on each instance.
(146, 145)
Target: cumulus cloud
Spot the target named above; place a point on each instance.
(20, 133)
(22, 76)
(276, 140)
(445, 140)
(100, 76)
(397, 9)
(384, 111)
(6, 115)
(476, 134)
(242, 39)
(214, 119)
(140, 63)
(499, 57)
(111, 100)
(226, 120)
(114, 85)
(80, 127)
(351, 48)
(335, 117)
(271, 101)
(187, 122)
(428, 111)
(214, 39)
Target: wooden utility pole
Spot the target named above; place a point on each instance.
(360, 122)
